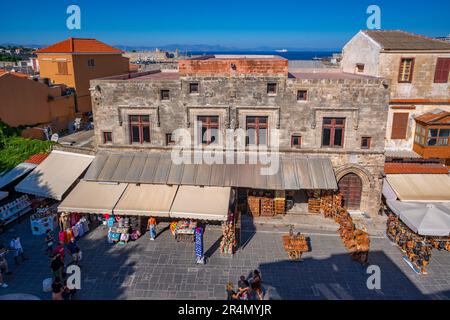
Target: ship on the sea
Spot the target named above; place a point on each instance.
(282, 50)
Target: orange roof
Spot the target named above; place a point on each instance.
(436, 116)
(79, 45)
(37, 158)
(17, 74)
(412, 168)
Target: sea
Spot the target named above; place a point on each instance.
(290, 55)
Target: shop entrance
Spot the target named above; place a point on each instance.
(351, 188)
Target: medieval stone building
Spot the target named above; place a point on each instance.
(324, 114)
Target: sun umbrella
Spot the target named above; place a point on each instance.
(427, 219)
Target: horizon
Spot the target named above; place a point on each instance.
(252, 25)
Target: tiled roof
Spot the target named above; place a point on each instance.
(79, 45)
(401, 40)
(435, 116)
(402, 154)
(17, 74)
(414, 168)
(37, 158)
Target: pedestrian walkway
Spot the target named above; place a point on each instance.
(166, 269)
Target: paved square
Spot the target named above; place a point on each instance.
(165, 269)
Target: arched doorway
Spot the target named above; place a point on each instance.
(351, 188)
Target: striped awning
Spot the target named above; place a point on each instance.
(294, 172)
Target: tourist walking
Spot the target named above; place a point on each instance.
(16, 246)
(57, 289)
(74, 251)
(57, 266)
(243, 288)
(231, 294)
(3, 263)
(49, 243)
(151, 226)
(256, 285)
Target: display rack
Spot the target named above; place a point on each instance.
(15, 209)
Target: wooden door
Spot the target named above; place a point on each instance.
(351, 188)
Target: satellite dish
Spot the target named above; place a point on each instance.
(55, 137)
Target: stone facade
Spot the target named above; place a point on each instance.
(362, 102)
(418, 97)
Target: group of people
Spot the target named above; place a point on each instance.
(60, 291)
(16, 247)
(249, 288)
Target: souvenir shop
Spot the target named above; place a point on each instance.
(126, 208)
(418, 218)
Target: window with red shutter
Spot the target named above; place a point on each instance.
(442, 70)
(399, 125)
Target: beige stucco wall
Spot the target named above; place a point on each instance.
(26, 102)
(361, 49)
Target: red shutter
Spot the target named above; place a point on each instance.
(399, 125)
(442, 70)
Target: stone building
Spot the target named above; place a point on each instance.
(322, 114)
(418, 69)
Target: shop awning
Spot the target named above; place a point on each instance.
(427, 219)
(93, 197)
(420, 187)
(146, 200)
(15, 173)
(55, 175)
(294, 172)
(3, 194)
(207, 203)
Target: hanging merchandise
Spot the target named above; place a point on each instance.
(15, 209)
(228, 242)
(199, 245)
(42, 220)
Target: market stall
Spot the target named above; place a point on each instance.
(15, 209)
(55, 175)
(417, 228)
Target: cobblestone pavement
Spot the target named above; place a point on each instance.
(165, 269)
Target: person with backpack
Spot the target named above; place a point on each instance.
(57, 266)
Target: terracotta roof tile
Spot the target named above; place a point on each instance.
(412, 168)
(79, 45)
(401, 40)
(37, 158)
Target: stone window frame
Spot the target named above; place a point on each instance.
(411, 71)
(369, 142)
(141, 124)
(104, 137)
(272, 94)
(124, 121)
(302, 100)
(189, 88)
(161, 95)
(351, 116)
(296, 135)
(193, 112)
(272, 113)
(333, 126)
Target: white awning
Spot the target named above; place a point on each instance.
(93, 197)
(420, 187)
(428, 219)
(15, 173)
(55, 175)
(388, 192)
(207, 203)
(146, 200)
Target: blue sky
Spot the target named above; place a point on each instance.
(244, 24)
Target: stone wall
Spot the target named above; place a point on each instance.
(363, 103)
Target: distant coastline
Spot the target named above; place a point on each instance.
(290, 55)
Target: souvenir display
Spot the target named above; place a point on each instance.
(185, 230)
(200, 259)
(417, 248)
(15, 209)
(295, 245)
(355, 240)
(228, 242)
(43, 220)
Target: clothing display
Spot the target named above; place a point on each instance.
(77, 225)
(199, 245)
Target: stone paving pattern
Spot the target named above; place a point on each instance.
(165, 269)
